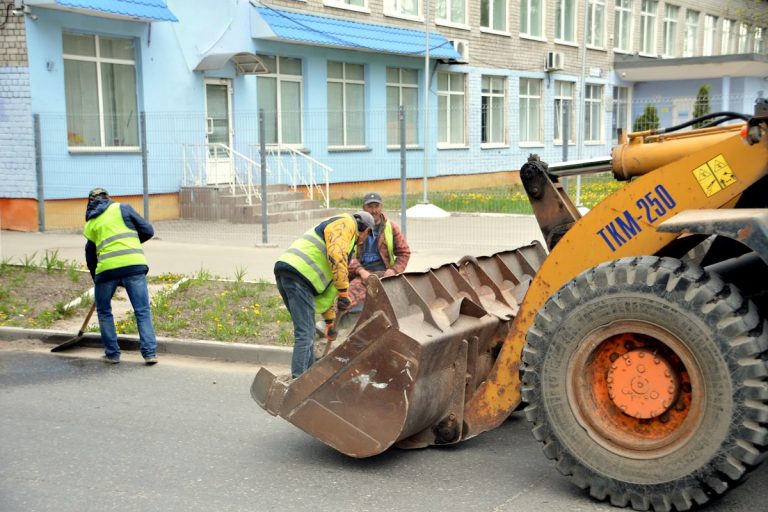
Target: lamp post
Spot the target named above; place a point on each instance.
(424, 199)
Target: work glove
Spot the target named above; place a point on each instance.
(330, 332)
(343, 302)
(389, 272)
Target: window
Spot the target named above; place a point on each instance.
(596, 23)
(408, 8)
(743, 38)
(362, 4)
(563, 97)
(593, 113)
(402, 89)
(565, 20)
(710, 25)
(670, 30)
(648, 27)
(346, 104)
(279, 94)
(493, 14)
(100, 90)
(620, 112)
(691, 33)
(451, 98)
(622, 26)
(531, 18)
(728, 38)
(531, 118)
(452, 11)
(493, 97)
(759, 44)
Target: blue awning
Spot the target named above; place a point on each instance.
(293, 27)
(136, 10)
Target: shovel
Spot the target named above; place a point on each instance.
(74, 341)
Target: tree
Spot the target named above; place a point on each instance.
(648, 120)
(701, 107)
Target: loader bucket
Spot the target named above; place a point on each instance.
(422, 344)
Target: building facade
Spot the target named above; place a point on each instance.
(144, 99)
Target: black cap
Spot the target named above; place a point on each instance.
(96, 193)
(372, 197)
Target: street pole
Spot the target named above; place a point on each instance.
(425, 200)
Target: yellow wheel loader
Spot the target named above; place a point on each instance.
(637, 338)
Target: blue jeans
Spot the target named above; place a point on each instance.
(138, 294)
(300, 301)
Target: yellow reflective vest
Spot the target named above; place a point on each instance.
(116, 244)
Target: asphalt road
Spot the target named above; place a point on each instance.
(79, 435)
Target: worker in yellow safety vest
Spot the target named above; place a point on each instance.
(115, 258)
(313, 272)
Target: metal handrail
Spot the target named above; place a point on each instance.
(200, 158)
(299, 170)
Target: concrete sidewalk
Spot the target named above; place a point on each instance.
(185, 247)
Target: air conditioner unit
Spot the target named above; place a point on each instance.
(555, 61)
(462, 48)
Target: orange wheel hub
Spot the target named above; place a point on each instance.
(642, 385)
(631, 387)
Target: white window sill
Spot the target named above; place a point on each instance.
(597, 48)
(565, 42)
(346, 7)
(494, 145)
(452, 146)
(624, 52)
(347, 149)
(488, 30)
(408, 147)
(453, 24)
(103, 149)
(531, 144)
(593, 143)
(533, 38)
(401, 16)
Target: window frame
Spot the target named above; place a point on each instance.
(617, 102)
(400, 85)
(561, 21)
(448, 4)
(727, 33)
(669, 30)
(743, 38)
(593, 105)
(592, 6)
(758, 40)
(709, 37)
(346, 111)
(344, 4)
(648, 27)
(490, 28)
(486, 114)
(622, 21)
(394, 8)
(527, 33)
(279, 78)
(527, 97)
(691, 34)
(449, 94)
(557, 135)
(98, 61)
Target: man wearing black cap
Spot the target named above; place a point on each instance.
(115, 258)
(312, 273)
(385, 252)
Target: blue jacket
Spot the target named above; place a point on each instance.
(133, 221)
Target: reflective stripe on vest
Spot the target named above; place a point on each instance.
(116, 244)
(389, 239)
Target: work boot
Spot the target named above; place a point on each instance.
(149, 361)
(109, 360)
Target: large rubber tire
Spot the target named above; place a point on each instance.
(713, 342)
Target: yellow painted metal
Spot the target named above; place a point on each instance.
(711, 177)
(645, 154)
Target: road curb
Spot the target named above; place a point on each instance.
(240, 352)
